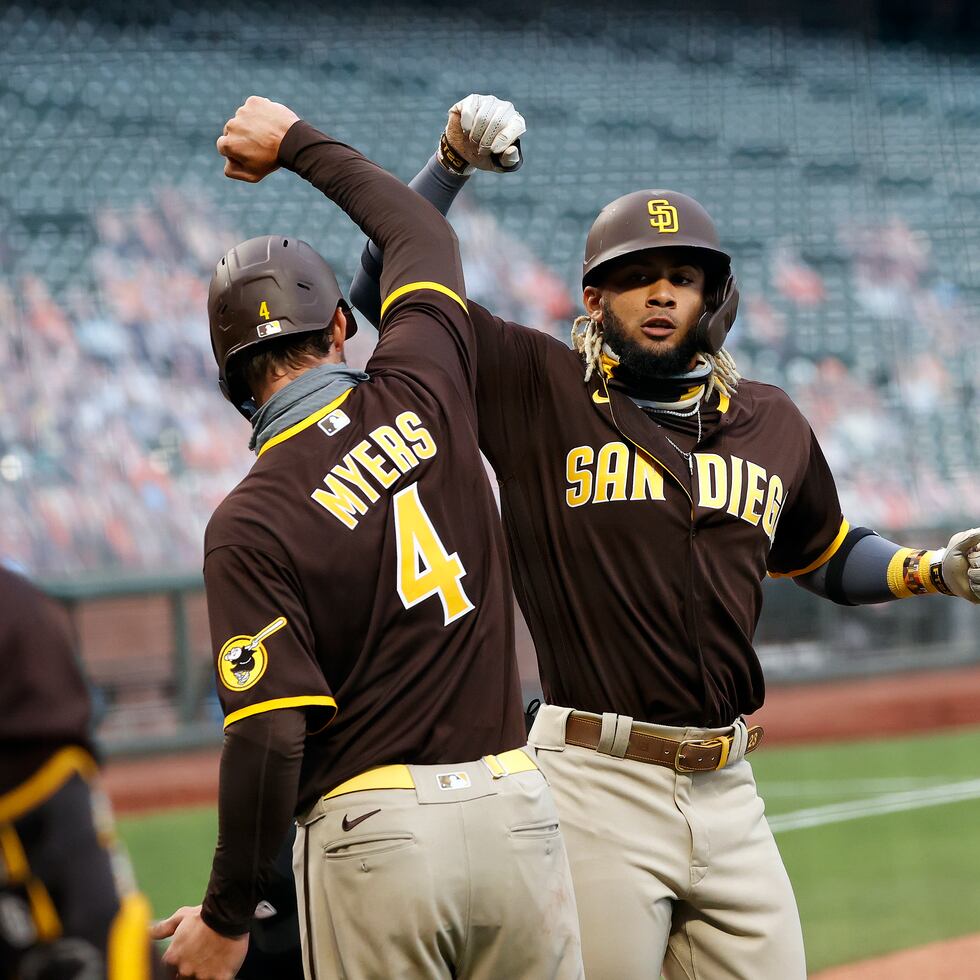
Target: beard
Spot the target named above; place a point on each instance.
(641, 362)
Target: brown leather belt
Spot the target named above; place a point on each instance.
(690, 755)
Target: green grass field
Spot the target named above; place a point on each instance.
(881, 839)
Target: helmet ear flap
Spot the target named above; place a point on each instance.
(247, 407)
(713, 327)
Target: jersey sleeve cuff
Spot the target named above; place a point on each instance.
(412, 287)
(300, 135)
(825, 556)
(302, 701)
(230, 930)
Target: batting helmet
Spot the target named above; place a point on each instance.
(666, 219)
(264, 289)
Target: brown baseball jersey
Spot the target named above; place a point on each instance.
(44, 702)
(359, 570)
(640, 580)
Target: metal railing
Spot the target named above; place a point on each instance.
(156, 693)
(177, 688)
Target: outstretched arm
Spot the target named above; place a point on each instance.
(869, 569)
(479, 124)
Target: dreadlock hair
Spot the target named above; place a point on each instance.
(587, 339)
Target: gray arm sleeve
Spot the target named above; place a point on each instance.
(439, 187)
(857, 575)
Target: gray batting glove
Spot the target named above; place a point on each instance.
(961, 565)
(483, 133)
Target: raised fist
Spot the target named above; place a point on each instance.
(483, 133)
(251, 138)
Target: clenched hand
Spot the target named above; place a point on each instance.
(251, 138)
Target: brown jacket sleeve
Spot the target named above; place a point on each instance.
(422, 286)
(513, 373)
(811, 526)
(417, 241)
(259, 781)
(264, 650)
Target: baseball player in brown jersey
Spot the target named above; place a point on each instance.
(358, 598)
(68, 905)
(647, 490)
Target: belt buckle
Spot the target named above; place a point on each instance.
(726, 747)
(678, 765)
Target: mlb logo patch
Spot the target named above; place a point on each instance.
(334, 422)
(453, 780)
(269, 329)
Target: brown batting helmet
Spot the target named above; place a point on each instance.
(667, 219)
(264, 289)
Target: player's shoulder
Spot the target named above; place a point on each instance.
(760, 396)
(245, 518)
(490, 326)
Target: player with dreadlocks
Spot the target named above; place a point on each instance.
(647, 490)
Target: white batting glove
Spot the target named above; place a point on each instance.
(483, 133)
(961, 565)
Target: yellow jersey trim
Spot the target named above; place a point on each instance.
(129, 947)
(723, 402)
(411, 287)
(303, 701)
(825, 557)
(46, 919)
(46, 781)
(15, 867)
(17, 871)
(305, 423)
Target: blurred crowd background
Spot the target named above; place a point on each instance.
(840, 168)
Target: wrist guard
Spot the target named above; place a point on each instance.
(454, 162)
(917, 573)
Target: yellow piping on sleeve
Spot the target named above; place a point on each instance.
(412, 287)
(46, 919)
(303, 701)
(305, 423)
(46, 781)
(17, 871)
(825, 557)
(15, 866)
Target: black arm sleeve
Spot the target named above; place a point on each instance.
(857, 574)
(438, 186)
(260, 768)
(418, 242)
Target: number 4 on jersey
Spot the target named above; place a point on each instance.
(425, 568)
